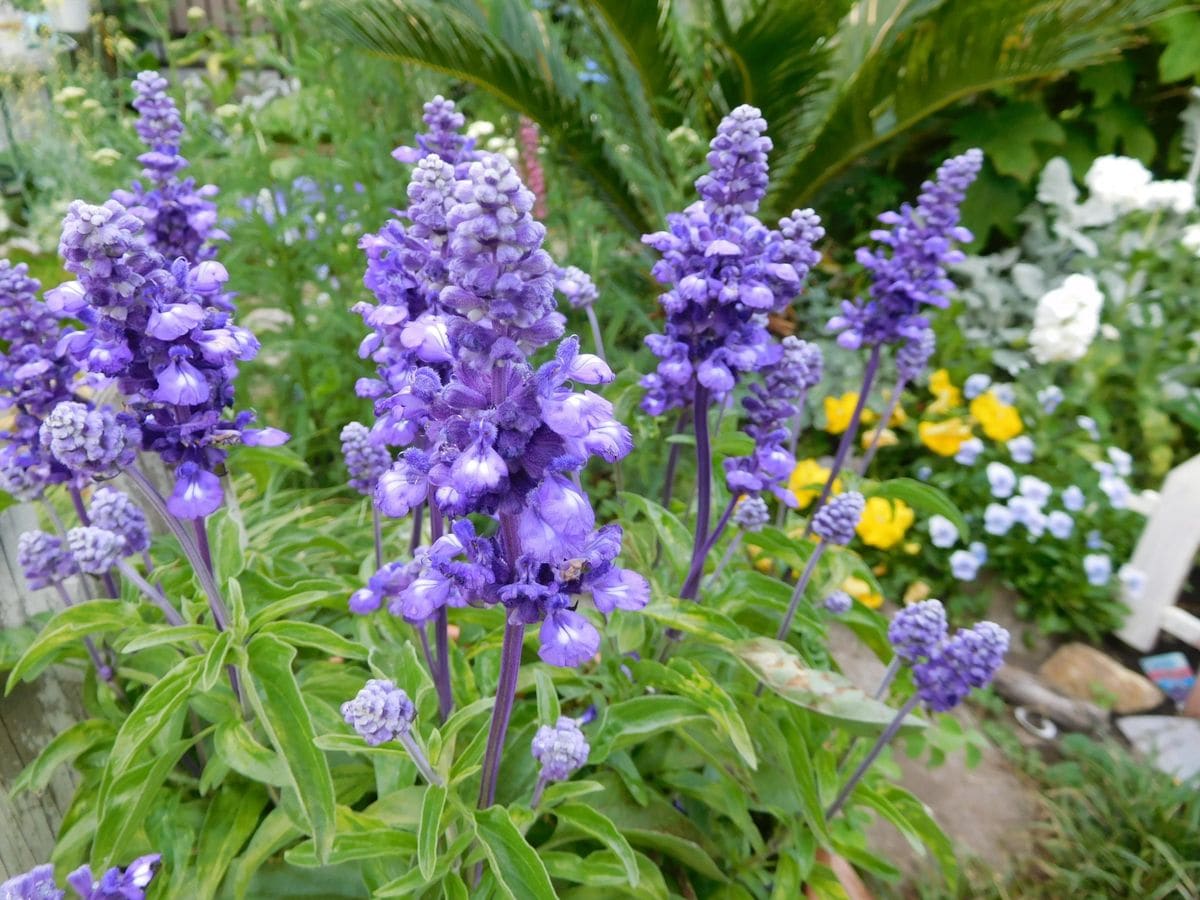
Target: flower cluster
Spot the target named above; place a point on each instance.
(365, 458)
(1066, 320)
(34, 378)
(770, 407)
(379, 712)
(726, 271)
(836, 521)
(92, 441)
(43, 559)
(908, 272)
(1121, 184)
(129, 883)
(180, 218)
(444, 138)
(490, 433)
(114, 511)
(164, 332)
(561, 748)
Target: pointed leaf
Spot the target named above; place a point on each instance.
(599, 826)
(66, 628)
(519, 873)
(430, 829)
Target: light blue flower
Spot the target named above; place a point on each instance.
(923, 473)
(942, 532)
(976, 385)
(1121, 461)
(1021, 448)
(968, 451)
(1095, 540)
(1001, 479)
(1033, 488)
(1116, 490)
(1073, 498)
(1132, 580)
(1088, 424)
(1060, 525)
(964, 565)
(979, 551)
(1005, 394)
(1029, 514)
(997, 519)
(1098, 569)
(1050, 398)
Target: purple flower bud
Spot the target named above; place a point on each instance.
(114, 511)
(366, 459)
(95, 442)
(836, 520)
(577, 286)
(917, 629)
(95, 550)
(752, 514)
(914, 354)
(43, 558)
(560, 748)
(379, 712)
(839, 603)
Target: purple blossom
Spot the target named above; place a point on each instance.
(839, 603)
(43, 558)
(129, 883)
(725, 272)
(95, 550)
(96, 442)
(115, 511)
(379, 712)
(36, 884)
(970, 659)
(836, 520)
(180, 218)
(908, 270)
(560, 748)
(914, 354)
(577, 286)
(365, 459)
(443, 138)
(917, 629)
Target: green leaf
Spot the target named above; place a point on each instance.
(632, 721)
(561, 791)
(695, 619)
(687, 852)
(66, 627)
(154, 711)
(1015, 136)
(214, 660)
(827, 694)
(430, 829)
(673, 534)
(238, 749)
(65, 748)
(309, 634)
(287, 606)
(229, 821)
(357, 846)
(161, 635)
(912, 819)
(599, 826)
(229, 541)
(275, 832)
(519, 873)
(1180, 58)
(924, 497)
(281, 710)
(547, 697)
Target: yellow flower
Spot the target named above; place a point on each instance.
(999, 421)
(884, 522)
(887, 438)
(944, 438)
(838, 411)
(861, 591)
(948, 396)
(807, 480)
(917, 592)
(912, 548)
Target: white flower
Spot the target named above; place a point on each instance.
(1177, 196)
(968, 451)
(480, 128)
(1132, 580)
(1122, 461)
(1002, 479)
(1066, 320)
(1098, 569)
(1049, 398)
(1119, 181)
(1191, 239)
(1021, 449)
(942, 532)
(997, 519)
(1060, 524)
(1033, 488)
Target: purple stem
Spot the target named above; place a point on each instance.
(415, 540)
(691, 584)
(441, 632)
(865, 462)
(703, 472)
(843, 450)
(150, 591)
(538, 790)
(596, 336)
(198, 525)
(798, 594)
(506, 689)
(882, 741)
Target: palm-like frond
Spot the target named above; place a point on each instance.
(516, 60)
(923, 57)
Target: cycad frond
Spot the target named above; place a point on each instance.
(952, 51)
(512, 58)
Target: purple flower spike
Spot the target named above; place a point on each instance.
(908, 272)
(129, 883)
(918, 629)
(968, 660)
(43, 558)
(443, 138)
(95, 550)
(577, 286)
(725, 271)
(914, 354)
(752, 514)
(839, 603)
(36, 884)
(560, 748)
(94, 442)
(379, 712)
(836, 520)
(114, 511)
(365, 459)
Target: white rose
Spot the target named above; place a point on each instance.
(1119, 180)
(1177, 196)
(1066, 320)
